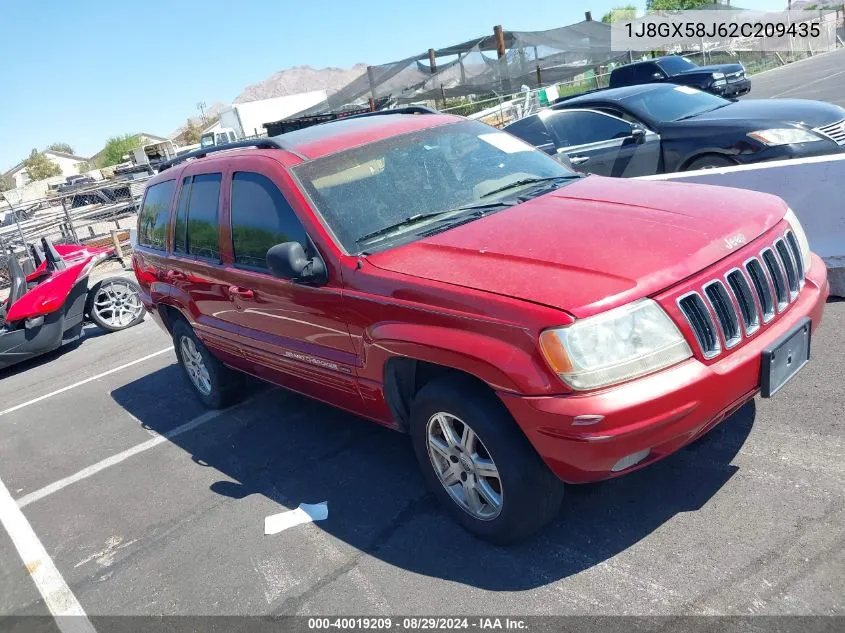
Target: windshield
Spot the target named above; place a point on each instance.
(672, 104)
(676, 64)
(361, 191)
(207, 140)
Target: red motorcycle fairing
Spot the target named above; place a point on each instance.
(49, 295)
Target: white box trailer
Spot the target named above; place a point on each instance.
(248, 119)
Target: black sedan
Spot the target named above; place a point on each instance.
(659, 128)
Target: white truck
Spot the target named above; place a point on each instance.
(248, 119)
(220, 136)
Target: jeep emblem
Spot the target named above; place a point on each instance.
(734, 241)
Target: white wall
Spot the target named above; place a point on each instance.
(249, 118)
(67, 165)
(813, 187)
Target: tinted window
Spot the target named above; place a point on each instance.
(643, 73)
(579, 128)
(672, 103)
(261, 218)
(203, 225)
(179, 232)
(155, 215)
(676, 64)
(530, 129)
(622, 76)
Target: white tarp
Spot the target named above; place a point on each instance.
(813, 187)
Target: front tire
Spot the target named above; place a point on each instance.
(216, 386)
(479, 464)
(712, 161)
(114, 304)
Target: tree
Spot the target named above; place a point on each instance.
(39, 167)
(61, 147)
(83, 167)
(117, 147)
(6, 183)
(675, 5)
(191, 134)
(628, 12)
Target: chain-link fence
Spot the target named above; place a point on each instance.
(83, 215)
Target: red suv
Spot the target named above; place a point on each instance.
(524, 324)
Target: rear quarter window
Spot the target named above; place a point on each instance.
(155, 215)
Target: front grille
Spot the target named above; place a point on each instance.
(752, 295)
(734, 77)
(776, 275)
(726, 315)
(692, 305)
(745, 300)
(836, 131)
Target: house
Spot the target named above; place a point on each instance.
(68, 163)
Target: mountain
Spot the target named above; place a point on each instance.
(300, 79)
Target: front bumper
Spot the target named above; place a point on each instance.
(659, 413)
(733, 89)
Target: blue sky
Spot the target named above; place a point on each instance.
(82, 71)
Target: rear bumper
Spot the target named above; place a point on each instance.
(660, 413)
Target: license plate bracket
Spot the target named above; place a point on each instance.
(785, 358)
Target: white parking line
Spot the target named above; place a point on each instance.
(116, 459)
(69, 615)
(83, 382)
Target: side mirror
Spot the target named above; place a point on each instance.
(288, 261)
(637, 133)
(657, 76)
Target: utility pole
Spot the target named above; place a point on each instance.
(201, 108)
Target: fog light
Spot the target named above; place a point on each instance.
(630, 460)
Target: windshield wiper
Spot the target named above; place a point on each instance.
(529, 181)
(409, 221)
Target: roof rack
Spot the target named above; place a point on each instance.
(405, 110)
(260, 143)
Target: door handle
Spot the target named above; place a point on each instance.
(175, 275)
(243, 293)
(578, 160)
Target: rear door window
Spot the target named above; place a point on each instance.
(155, 215)
(261, 218)
(530, 129)
(580, 127)
(203, 224)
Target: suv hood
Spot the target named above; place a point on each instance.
(592, 245)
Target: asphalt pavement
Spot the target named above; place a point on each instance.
(821, 77)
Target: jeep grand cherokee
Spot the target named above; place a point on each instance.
(525, 325)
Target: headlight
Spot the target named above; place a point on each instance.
(785, 136)
(718, 75)
(620, 344)
(803, 244)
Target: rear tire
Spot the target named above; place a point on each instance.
(462, 477)
(216, 386)
(712, 161)
(114, 304)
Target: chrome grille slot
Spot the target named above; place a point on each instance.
(698, 316)
(745, 300)
(796, 254)
(789, 267)
(726, 316)
(836, 131)
(776, 275)
(761, 287)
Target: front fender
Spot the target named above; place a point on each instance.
(514, 367)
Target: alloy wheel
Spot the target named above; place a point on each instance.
(117, 304)
(195, 365)
(464, 466)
